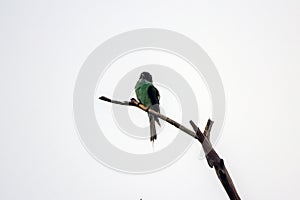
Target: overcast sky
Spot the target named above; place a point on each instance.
(254, 45)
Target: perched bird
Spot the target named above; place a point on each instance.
(148, 95)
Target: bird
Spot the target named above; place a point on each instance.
(149, 96)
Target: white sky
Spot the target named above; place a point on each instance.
(254, 44)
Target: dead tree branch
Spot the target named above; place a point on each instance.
(134, 102)
(213, 159)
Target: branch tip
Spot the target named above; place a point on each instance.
(193, 125)
(103, 98)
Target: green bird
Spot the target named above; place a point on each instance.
(148, 95)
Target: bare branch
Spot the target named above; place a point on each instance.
(134, 102)
(213, 159)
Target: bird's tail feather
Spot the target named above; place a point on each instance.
(153, 135)
(157, 109)
(157, 121)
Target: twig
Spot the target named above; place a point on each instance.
(213, 159)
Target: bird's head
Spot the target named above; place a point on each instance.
(146, 76)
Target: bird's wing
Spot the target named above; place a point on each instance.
(153, 95)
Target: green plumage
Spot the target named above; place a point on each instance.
(141, 90)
